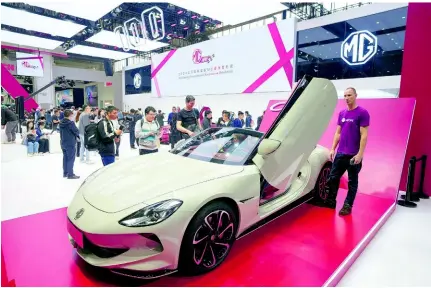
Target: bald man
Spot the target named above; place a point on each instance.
(351, 138)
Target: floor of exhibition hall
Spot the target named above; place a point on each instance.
(309, 243)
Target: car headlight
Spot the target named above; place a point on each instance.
(152, 214)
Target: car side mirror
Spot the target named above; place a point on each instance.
(268, 146)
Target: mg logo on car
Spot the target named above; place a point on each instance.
(359, 47)
(134, 32)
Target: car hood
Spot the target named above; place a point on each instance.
(127, 183)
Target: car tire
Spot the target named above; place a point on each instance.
(319, 192)
(204, 247)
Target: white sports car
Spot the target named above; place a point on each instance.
(153, 215)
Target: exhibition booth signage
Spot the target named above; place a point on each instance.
(258, 60)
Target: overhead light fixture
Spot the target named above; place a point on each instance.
(27, 40)
(98, 52)
(90, 10)
(404, 17)
(34, 22)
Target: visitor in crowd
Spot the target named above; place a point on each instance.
(101, 115)
(351, 138)
(248, 120)
(117, 140)
(61, 114)
(94, 113)
(220, 119)
(31, 143)
(174, 110)
(84, 121)
(55, 120)
(69, 135)
(132, 122)
(226, 120)
(160, 117)
(147, 131)
(175, 135)
(107, 135)
(78, 143)
(259, 121)
(239, 122)
(42, 138)
(188, 119)
(49, 119)
(9, 122)
(206, 123)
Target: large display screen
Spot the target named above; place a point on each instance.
(91, 94)
(258, 60)
(369, 46)
(138, 80)
(64, 97)
(29, 64)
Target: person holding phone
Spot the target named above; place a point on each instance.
(107, 135)
(147, 131)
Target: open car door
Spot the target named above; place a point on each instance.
(294, 134)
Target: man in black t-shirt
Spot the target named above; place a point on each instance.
(188, 119)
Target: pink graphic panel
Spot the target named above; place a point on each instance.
(12, 86)
(387, 141)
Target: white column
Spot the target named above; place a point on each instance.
(46, 98)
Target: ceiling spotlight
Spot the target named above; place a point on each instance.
(118, 10)
(377, 22)
(404, 17)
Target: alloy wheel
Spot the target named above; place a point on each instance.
(322, 183)
(213, 239)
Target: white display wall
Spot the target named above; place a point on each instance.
(259, 60)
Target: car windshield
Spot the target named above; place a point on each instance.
(230, 146)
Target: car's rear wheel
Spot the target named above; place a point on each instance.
(320, 192)
(208, 238)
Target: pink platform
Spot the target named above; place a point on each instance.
(312, 246)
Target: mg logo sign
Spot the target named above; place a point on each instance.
(359, 47)
(134, 32)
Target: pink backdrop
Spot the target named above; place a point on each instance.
(387, 141)
(414, 76)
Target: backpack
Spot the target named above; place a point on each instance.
(91, 137)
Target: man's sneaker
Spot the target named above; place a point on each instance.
(89, 162)
(346, 210)
(331, 204)
(73, 177)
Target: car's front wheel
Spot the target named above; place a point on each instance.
(320, 191)
(208, 238)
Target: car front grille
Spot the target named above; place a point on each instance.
(102, 252)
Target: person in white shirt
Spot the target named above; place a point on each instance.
(147, 131)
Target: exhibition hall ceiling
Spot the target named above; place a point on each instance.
(88, 28)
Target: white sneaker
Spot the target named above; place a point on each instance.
(89, 162)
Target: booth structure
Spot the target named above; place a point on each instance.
(308, 246)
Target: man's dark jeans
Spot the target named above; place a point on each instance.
(339, 167)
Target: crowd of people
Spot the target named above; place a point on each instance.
(88, 130)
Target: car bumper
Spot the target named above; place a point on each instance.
(101, 241)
